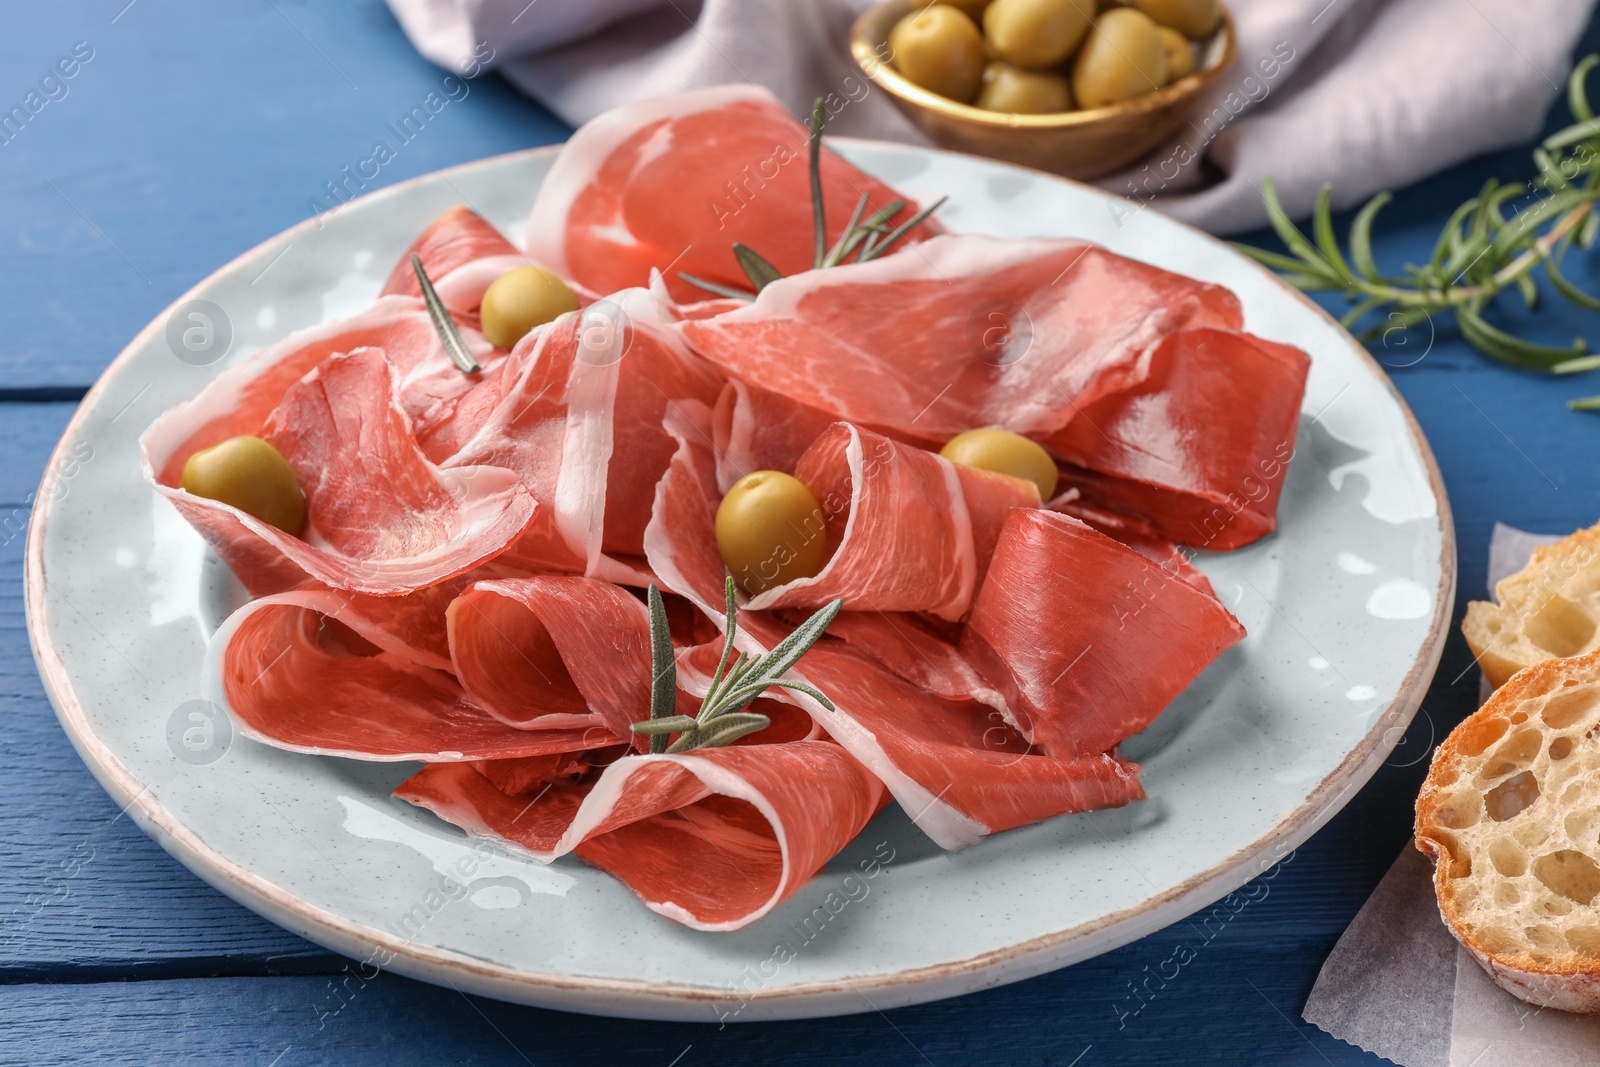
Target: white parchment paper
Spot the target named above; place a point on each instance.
(1398, 985)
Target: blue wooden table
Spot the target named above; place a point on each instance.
(188, 132)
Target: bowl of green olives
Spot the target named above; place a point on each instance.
(1076, 87)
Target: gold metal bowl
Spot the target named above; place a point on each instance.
(1075, 144)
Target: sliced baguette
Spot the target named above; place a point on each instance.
(1547, 610)
(1510, 816)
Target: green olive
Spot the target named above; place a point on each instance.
(519, 300)
(1192, 18)
(770, 530)
(251, 475)
(1123, 57)
(1037, 34)
(941, 50)
(973, 9)
(1004, 452)
(1180, 53)
(1023, 92)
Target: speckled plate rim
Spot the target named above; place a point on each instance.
(666, 1000)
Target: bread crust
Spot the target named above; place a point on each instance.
(1461, 819)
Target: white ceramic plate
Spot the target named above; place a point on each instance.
(1346, 607)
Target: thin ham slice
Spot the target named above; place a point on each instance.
(958, 768)
(553, 652)
(289, 680)
(908, 529)
(758, 430)
(1087, 638)
(1201, 447)
(576, 411)
(240, 399)
(984, 331)
(714, 839)
(463, 254)
(343, 430)
(913, 647)
(671, 183)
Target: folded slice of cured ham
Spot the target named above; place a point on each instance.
(963, 332)
(240, 399)
(908, 530)
(1202, 445)
(576, 412)
(343, 430)
(714, 839)
(551, 652)
(671, 183)
(913, 647)
(758, 430)
(1087, 638)
(290, 679)
(958, 768)
(463, 254)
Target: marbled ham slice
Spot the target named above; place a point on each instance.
(958, 768)
(576, 411)
(758, 430)
(1088, 639)
(967, 331)
(908, 530)
(914, 648)
(714, 839)
(1202, 446)
(290, 681)
(463, 254)
(670, 184)
(239, 400)
(343, 431)
(551, 651)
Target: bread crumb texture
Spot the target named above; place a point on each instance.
(1548, 610)
(1510, 815)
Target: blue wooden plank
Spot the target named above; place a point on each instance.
(197, 130)
(81, 886)
(1230, 1004)
(193, 132)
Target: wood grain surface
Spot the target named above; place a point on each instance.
(198, 130)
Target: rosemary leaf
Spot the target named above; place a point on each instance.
(671, 724)
(760, 272)
(1585, 403)
(1361, 237)
(819, 115)
(746, 694)
(1312, 263)
(1577, 95)
(730, 624)
(1508, 349)
(1322, 228)
(725, 730)
(1558, 280)
(713, 287)
(1355, 314)
(1577, 366)
(1528, 291)
(443, 324)
(900, 231)
(842, 246)
(663, 667)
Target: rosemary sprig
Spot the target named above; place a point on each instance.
(449, 336)
(722, 719)
(867, 238)
(1481, 253)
